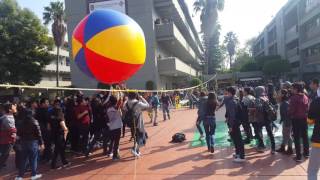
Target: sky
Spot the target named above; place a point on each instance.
(246, 18)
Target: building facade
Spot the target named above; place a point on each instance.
(174, 50)
(49, 72)
(294, 34)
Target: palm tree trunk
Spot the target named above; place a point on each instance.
(230, 61)
(57, 66)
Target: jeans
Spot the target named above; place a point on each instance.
(59, 150)
(314, 163)
(114, 141)
(237, 140)
(154, 114)
(30, 153)
(300, 130)
(198, 124)
(47, 152)
(84, 137)
(4, 153)
(210, 127)
(286, 134)
(247, 128)
(268, 126)
(165, 110)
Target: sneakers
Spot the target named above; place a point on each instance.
(289, 151)
(212, 150)
(109, 154)
(306, 156)
(56, 168)
(260, 149)
(281, 149)
(239, 160)
(116, 158)
(155, 124)
(273, 152)
(38, 176)
(135, 153)
(66, 164)
(201, 137)
(18, 178)
(298, 159)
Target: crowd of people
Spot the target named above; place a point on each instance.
(255, 108)
(78, 122)
(83, 123)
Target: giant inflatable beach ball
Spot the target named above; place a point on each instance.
(108, 46)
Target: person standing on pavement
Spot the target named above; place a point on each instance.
(298, 110)
(31, 141)
(286, 124)
(154, 105)
(115, 125)
(42, 115)
(248, 102)
(7, 132)
(315, 88)
(234, 125)
(59, 134)
(166, 103)
(209, 121)
(82, 113)
(135, 105)
(314, 118)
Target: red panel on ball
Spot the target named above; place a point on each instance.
(79, 30)
(107, 70)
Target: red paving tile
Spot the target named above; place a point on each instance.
(163, 160)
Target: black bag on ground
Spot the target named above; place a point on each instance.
(178, 138)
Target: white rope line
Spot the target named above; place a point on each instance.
(102, 90)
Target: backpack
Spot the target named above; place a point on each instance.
(271, 111)
(130, 116)
(154, 102)
(178, 138)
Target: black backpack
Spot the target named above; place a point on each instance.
(178, 138)
(271, 111)
(130, 116)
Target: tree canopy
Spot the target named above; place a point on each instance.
(231, 41)
(276, 67)
(24, 47)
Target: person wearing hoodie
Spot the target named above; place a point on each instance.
(209, 122)
(202, 104)
(234, 125)
(260, 111)
(248, 102)
(314, 118)
(298, 110)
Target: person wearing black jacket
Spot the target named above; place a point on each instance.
(42, 115)
(59, 134)
(31, 141)
(314, 118)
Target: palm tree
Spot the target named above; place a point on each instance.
(55, 13)
(231, 42)
(208, 10)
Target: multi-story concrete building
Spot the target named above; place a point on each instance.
(294, 34)
(173, 47)
(49, 72)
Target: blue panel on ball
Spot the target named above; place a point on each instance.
(82, 64)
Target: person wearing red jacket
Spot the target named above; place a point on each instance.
(8, 132)
(298, 111)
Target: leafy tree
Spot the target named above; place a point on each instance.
(195, 82)
(276, 67)
(231, 42)
(249, 45)
(55, 13)
(24, 45)
(208, 10)
(264, 59)
(249, 66)
(242, 57)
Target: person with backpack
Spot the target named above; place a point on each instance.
(286, 124)
(7, 132)
(298, 111)
(262, 108)
(209, 121)
(59, 134)
(248, 103)
(115, 125)
(245, 118)
(314, 118)
(133, 117)
(233, 122)
(154, 107)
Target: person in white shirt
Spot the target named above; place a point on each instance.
(115, 125)
(137, 104)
